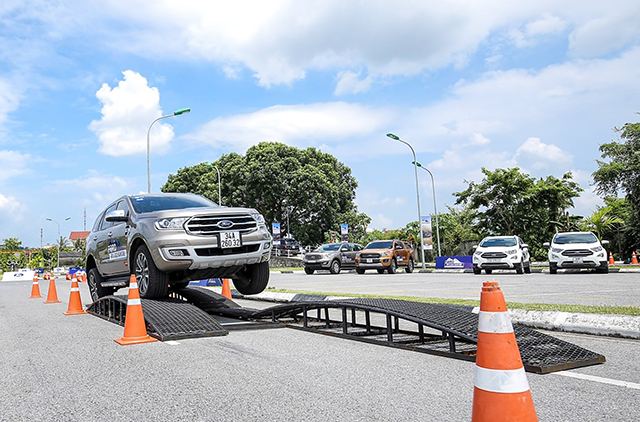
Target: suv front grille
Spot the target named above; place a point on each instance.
(209, 225)
(227, 251)
(494, 255)
(369, 255)
(577, 252)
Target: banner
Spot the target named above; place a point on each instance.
(275, 228)
(427, 232)
(344, 232)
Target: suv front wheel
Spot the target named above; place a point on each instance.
(253, 279)
(152, 283)
(94, 280)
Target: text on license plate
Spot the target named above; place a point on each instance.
(230, 240)
(578, 260)
(494, 259)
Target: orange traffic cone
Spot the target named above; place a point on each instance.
(52, 295)
(634, 259)
(75, 304)
(68, 276)
(135, 330)
(501, 390)
(611, 261)
(35, 289)
(46, 276)
(226, 290)
(84, 276)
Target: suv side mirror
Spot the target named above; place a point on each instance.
(605, 242)
(474, 247)
(546, 244)
(116, 215)
(525, 246)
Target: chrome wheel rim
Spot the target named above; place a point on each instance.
(142, 272)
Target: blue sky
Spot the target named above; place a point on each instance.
(537, 85)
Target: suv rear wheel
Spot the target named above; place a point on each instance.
(253, 279)
(152, 283)
(410, 267)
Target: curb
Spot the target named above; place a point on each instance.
(621, 326)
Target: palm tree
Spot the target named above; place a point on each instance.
(600, 221)
(62, 243)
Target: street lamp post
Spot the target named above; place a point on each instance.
(175, 113)
(435, 206)
(415, 168)
(219, 185)
(51, 219)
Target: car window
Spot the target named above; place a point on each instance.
(380, 244)
(329, 247)
(357, 247)
(122, 205)
(106, 224)
(151, 203)
(399, 245)
(498, 242)
(566, 238)
(96, 224)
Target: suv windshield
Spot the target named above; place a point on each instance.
(329, 247)
(492, 243)
(383, 244)
(151, 203)
(563, 239)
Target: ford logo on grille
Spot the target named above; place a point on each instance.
(225, 224)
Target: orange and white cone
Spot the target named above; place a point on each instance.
(75, 304)
(68, 276)
(634, 259)
(84, 276)
(52, 295)
(501, 389)
(611, 261)
(35, 289)
(226, 289)
(135, 330)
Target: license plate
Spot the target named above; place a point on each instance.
(230, 240)
(494, 260)
(577, 260)
(369, 260)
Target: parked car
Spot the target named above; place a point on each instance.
(288, 246)
(169, 239)
(386, 255)
(331, 256)
(501, 252)
(577, 250)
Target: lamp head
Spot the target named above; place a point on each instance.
(181, 111)
(392, 136)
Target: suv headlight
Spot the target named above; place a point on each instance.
(597, 249)
(259, 219)
(171, 223)
(478, 253)
(556, 250)
(384, 254)
(512, 252)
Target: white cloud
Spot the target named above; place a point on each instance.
(478, 139)
(13, 163)
(128, 110)
(607, 32)
(350, 83)
(8, 204)
(10, 96)
(294, 125)
(542, 154)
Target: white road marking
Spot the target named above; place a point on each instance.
(619, 383)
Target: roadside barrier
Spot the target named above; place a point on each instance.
(135, 330)
(611, 261)
(75, 304)
(634, 259)
(35, 289)
(52, 295)
(226, 289)
(501, 389)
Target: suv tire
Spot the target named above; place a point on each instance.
(488, 271)
(553, 269)
(519, 268)
(359, 270)
(476, 270)
(335, 267)
(527, 268)
(94, 280)
(410, 267)
(393, 266)
(308, 270)
(253, 279)
(152, 283)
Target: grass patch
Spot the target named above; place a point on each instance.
(583, 309)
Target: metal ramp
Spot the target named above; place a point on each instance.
(425, 327)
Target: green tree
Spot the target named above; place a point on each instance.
(313, 189)
(12, 244)
(600, 221)
(622, 174)
(459, 230)
(510, 202)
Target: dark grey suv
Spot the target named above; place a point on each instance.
(169, 239)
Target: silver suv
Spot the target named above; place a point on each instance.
(332, 257)
(169, 239)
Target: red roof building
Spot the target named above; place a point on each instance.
(78, 235)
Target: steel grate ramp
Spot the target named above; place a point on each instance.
(426, 327)
(166, 319)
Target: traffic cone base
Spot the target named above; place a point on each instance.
(135, 329)
(35, 289)
(75, 303)
(52, 295)
(226, 289)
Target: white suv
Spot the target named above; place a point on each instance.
(577, 250)
(501, 252)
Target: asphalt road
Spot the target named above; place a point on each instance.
(583, 288)
(68, 368)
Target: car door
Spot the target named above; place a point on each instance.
(400, 253)
(347, 255)
(119, 243)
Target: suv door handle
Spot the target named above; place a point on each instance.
(110, 234)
